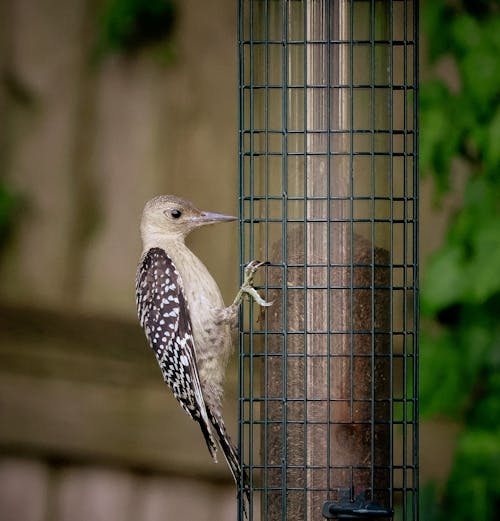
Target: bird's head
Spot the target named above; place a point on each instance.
(173, 218)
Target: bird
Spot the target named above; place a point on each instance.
(185, 320)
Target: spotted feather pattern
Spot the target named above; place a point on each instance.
(164, 315)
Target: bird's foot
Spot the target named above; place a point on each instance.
(247, 286)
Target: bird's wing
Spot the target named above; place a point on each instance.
(164, 315)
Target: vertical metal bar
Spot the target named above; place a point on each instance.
(328, 245)
(284, 125)
(265, 440)
(242, 123)
(405, 260)
(372, 243)
(391, 255)
(252, 251)
(306, 246)
(350, 82)
(415, 173)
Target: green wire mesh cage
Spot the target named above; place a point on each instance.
(328, 196)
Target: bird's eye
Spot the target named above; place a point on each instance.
(175, 214)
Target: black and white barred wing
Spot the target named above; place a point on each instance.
(164, 315)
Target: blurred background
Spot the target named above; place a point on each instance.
(102, 106)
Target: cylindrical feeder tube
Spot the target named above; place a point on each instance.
(317, 201)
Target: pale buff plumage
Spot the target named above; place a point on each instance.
(210, 318)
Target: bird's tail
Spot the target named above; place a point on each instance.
(231, 456)
(207, 434)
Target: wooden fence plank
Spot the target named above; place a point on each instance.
(24, 488)
(84, 389)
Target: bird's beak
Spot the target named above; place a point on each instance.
(212, 218)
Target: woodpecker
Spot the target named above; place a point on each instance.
(182, 312)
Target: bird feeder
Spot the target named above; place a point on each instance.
(328, 195)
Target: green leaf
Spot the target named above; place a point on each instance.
(445, 280)
(484, 267)
(441, 128)
(441, 367)
(492, 142)
(486, 413)
(130, 25)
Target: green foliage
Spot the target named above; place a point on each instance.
(466, 123)
(455, 360)
(467, 268)
(475, 480)
(130, 25)
(460, 348)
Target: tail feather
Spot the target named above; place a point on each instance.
(209, 439)
(231, 456)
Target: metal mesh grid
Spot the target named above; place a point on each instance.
(328, 195)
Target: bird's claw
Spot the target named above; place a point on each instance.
(252, 292)
(250, 270)
(247, 286)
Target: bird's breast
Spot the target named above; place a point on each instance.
(204, 299)
(212, 339)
